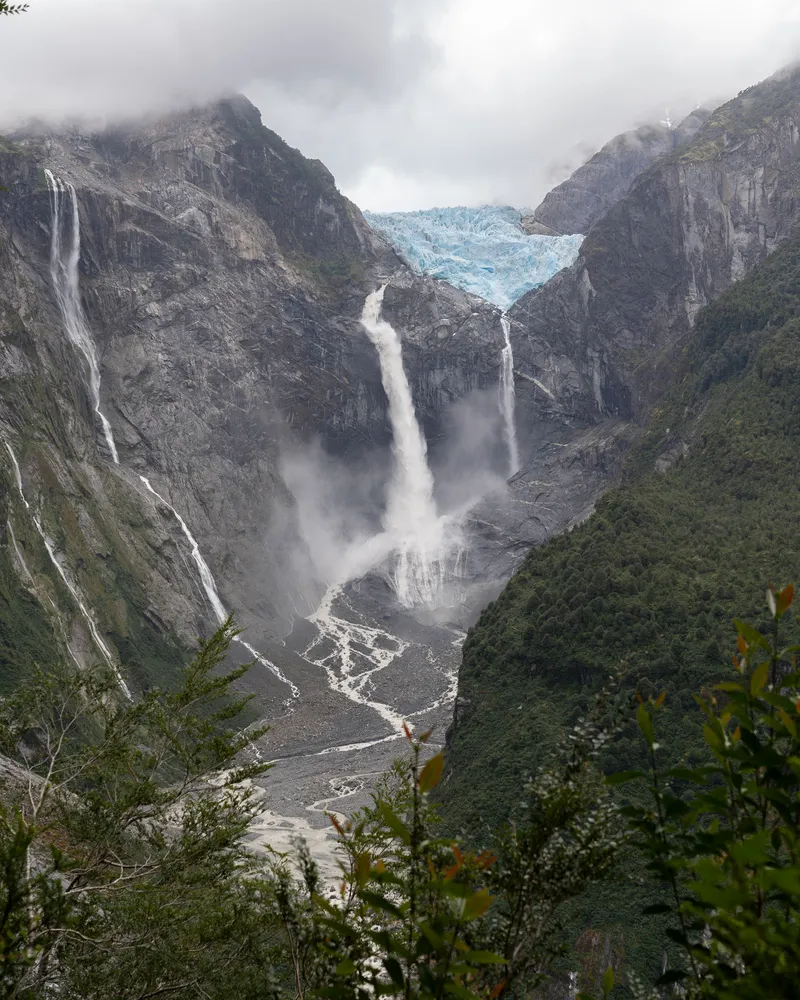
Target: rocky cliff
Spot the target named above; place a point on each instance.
(578, 202)
(694, 222)
(222, 277)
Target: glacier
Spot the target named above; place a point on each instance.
(481, 250)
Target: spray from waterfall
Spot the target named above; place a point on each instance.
(64, 258)
(210, 588)
(507, 398)
(62, 572)
(422, 542)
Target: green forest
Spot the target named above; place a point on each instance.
(647, 588)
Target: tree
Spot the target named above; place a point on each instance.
(725, 838)
(420, 916)
(122, 834)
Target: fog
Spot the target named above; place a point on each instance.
(340, 502)
(411, 104)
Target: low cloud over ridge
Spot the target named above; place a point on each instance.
(411, 103)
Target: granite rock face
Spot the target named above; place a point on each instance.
(578, 202)
(590, 344)
(223, 276)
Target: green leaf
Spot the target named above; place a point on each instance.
(431, 773)
(346, 967)
(751, 850)
(477, 904)
(751, 635)
(433, 936)
(454, 989)
(483, 958)
(785, 879)
(789, 723)
(380, 902)
(394, 971)
(622, 776)
(645, 724)
(395, 824)
(759, 678)
(608, 981)
(696, 775)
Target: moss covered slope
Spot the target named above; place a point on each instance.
(706, 515)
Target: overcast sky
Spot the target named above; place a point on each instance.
(410, 103)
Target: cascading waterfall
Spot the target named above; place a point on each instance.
(210, 588)
(507, 398)
(71, 587)
(422, 542)
(64, 258)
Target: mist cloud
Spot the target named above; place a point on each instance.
(411, 103)
(112, 58)
(524, 90)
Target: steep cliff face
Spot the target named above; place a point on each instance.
(674, 336)
(578, 202)
(222, 276)
(692, 224)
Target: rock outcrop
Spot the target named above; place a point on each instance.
(578, 202)
(588, 346)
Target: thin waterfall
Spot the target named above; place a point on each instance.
(64, 257)
(507, 398)
(210, 588)
(49, 545)
(421, 541)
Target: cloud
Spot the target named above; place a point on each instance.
(525, 90)
(410, 103)
(112, 58)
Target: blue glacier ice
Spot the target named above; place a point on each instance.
(482, 250)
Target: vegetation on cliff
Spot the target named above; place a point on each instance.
(705, 516)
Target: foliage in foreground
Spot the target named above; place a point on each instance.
(125, 870)
(419, 916)
(725, 837)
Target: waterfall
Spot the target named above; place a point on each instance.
(64, 258)
(507, 398)
(71, 587)
(210, 588)
(420, 539)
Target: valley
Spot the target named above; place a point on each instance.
(447, 468)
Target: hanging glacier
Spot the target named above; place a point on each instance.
(482, 250)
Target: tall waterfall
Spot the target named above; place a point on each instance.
(210, 588)
(64, 257)
(420, 540)
(507, 398)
